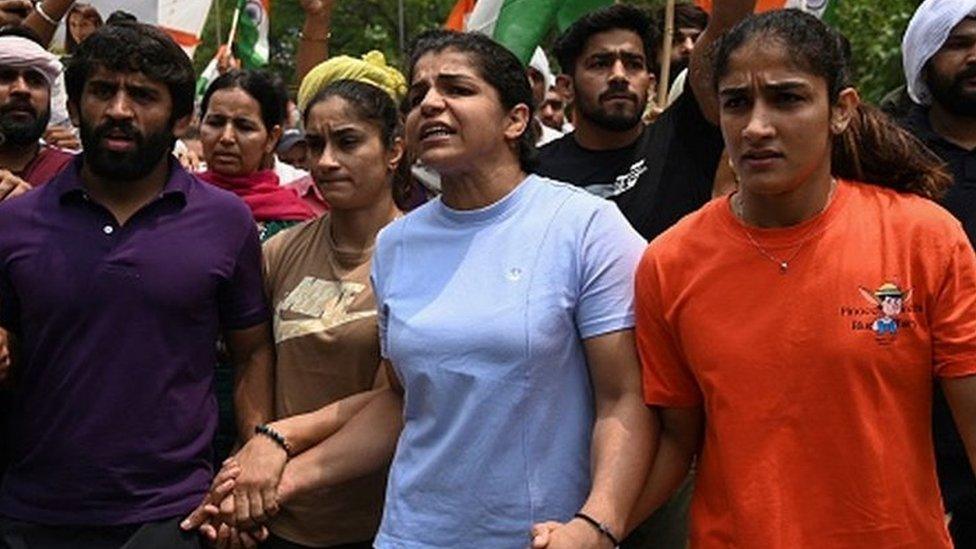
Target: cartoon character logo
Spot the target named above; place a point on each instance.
(890, 300)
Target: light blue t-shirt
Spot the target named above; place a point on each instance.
(483, 314)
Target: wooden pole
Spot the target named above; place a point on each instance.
(401, 29)
(218, 26)
(662, 85)
(233, 26)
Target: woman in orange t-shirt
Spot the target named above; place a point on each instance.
(791, 331)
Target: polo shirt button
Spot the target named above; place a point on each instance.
(108, 229)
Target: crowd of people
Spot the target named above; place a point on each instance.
(476, 303)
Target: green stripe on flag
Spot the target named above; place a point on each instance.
(830, 14)
(572, 10)
(522, 24)
(249, 37)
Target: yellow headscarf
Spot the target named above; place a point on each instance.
(371, 69)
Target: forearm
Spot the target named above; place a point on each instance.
(624, 437)
(304, 431)
(670, 466)
(313, 45)
(253, 393)
(725, 15)
(364, 445)
(960, 393)
(55, 9)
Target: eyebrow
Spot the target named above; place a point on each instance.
(617, 53)
(788, 85)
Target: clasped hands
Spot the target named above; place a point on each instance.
(244, 496)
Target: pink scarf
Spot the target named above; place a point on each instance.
(262, 193)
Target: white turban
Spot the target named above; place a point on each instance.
(20, 53)
(927, 32)
(540, 63)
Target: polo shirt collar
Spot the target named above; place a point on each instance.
(70, 184)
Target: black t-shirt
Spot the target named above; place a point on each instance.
(663, 176)
(955, 474)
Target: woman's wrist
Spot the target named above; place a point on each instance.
(53, 11)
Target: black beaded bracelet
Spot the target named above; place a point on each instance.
(268, 431)
(601, 527)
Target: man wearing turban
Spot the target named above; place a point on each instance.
(939, 52)
(27, 72)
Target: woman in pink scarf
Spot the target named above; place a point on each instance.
(241, 122)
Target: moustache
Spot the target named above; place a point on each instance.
(122, 129)
(967, 73)
(16, 105)
(616, 93)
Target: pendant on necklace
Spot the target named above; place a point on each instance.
(783, 266)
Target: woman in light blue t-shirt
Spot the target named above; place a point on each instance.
(506, 327)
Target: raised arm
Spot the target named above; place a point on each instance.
(313, 42)
(725, 15)
(53, 9)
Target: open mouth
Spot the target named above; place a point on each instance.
(119, 141)
(435, 131)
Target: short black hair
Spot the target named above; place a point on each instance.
(570, 45)
(119, 16)
(21, 31)
(686, 15)
(134, 47)
(266, 88)
(497, 66)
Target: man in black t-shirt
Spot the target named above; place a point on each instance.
(938, 68)
(658, 173)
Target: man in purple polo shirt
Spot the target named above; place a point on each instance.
(116, 279)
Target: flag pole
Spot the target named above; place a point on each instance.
(233, 25)
(662, 85)
(220, 31)
(402, 28)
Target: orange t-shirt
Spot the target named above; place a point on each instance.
(816, 382)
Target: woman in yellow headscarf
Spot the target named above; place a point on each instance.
(326, 342)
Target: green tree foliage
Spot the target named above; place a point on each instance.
(357, 27)
(873, 27)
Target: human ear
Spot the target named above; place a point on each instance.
(518, 122)
(181, 125)
(273, 136)
(73, 114)
(564, 85)
(843, 110)
(395, 154)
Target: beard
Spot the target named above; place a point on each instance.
(948, 91)
(17, 130)
(618, 121)
(128, 165)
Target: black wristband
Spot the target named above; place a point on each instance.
(268, 431)
(601, 527)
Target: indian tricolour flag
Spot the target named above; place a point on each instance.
(520, 25)
(820, 8)
(252, 36)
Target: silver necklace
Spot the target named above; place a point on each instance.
(784, 264)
